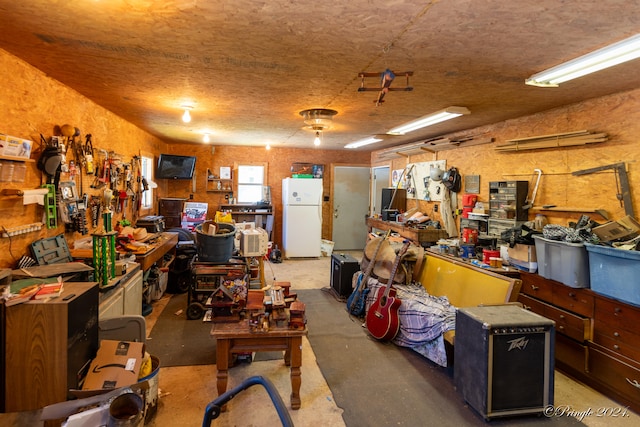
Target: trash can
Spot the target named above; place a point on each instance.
(215, 246)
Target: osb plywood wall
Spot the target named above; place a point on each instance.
(617, 115)
(278, 162)
(32, 104)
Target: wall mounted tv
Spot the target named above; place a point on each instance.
(175, 167)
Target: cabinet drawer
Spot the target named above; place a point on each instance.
(569, 324)
(532, 304)
(617, 314)
(618, 340)
(536, 286)
(571, 356)
(574, 300)
(171, 206)
(620, 375)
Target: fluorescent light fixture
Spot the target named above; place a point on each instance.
(614, 54)
(362, 142)
(431, 119)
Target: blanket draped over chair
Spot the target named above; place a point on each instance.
(423, 319)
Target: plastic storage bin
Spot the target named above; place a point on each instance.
(614, 272)
(564, 262)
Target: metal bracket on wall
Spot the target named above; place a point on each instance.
(624, 191)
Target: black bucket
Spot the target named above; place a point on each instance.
(215, 247)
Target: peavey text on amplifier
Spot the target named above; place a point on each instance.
(504, 360)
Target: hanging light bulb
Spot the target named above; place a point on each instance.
(268, 146)
(206, 138)
(316, 141)
(186, 117)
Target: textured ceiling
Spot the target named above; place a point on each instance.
(249, 67)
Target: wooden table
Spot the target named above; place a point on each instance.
(236, 338)
(422, 236)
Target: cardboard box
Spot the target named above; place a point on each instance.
(524, 253)
(15, 147)
(614, 230)
(117, 364)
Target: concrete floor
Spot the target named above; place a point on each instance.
(185, 391)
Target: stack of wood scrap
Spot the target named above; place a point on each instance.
(582, 137)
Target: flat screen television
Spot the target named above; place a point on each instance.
(175, 167)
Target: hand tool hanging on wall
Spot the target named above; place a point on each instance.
(88, 155)
(95, 206)
(122, 202)
(529, 202)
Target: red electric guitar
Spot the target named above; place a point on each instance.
(382, 317)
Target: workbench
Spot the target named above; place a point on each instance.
(165, 242)
(423, 236)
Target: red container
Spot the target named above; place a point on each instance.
(487, 254)
(470, 235)
(469, 200)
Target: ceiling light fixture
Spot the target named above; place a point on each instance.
(431, 119)
(318, 119)
(608, 56)
(186, 117)
(316, 140)
(362, 142)
(206, 138)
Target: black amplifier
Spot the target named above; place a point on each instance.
(504, 360)
(343, 267)
(153, 223)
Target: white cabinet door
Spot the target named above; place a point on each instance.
(133, 295)
(112, 306)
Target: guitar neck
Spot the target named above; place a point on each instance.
(372, 263)
(395, 266)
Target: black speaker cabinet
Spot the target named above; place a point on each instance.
(504, 360)
(343, 267)
(399, 201)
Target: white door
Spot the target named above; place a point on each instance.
(380, 180)
(350, 207)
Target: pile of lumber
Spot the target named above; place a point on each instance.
(568, 139)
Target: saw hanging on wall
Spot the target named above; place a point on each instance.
(386, 78)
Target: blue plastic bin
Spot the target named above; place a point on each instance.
(614, 272)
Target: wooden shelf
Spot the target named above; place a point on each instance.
(225, 184)
(16, 159)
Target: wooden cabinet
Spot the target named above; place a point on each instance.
(171, 209)
(597, 340)
(46, 345)
(124, 300)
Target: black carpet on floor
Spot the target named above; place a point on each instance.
(382, 384)
(177, 341)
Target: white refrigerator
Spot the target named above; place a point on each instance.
(302, 217)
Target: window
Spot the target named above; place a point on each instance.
(146, 170)
(250, 183)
